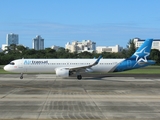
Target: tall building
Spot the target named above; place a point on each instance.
(38, 43)
(11, 39)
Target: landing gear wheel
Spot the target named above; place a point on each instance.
(79, 77)
(21, 77)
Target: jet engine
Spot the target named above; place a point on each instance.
(62, 72)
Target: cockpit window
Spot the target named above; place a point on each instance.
(12, 63)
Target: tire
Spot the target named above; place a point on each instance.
(79, 77)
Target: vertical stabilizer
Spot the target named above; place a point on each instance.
(143, 51)
(138, 59)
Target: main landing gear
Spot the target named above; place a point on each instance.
(79, 77)
(21, 77)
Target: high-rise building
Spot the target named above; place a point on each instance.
(38, 43)
(12, 39)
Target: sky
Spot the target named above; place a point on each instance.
(106, 22)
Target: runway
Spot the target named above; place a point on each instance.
(43, 97)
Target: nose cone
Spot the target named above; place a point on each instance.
(6, 68)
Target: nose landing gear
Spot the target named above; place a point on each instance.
(79, 77)
(21, 77)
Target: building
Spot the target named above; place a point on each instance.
(155, 44)
(85, 45)
(12, 39)
(38, 43)
(112, 49)
(55, 47)
(4, 47)
(1, 50)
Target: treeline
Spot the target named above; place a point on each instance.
(17, 52)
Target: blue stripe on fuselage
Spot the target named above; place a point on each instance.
(132, 64)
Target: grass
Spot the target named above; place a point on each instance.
(145, 70)
(2, 71)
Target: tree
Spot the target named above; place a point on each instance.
(131, 48)
(125, 53)
(85, 54)
(21, 48)
(61, 49)
(50, 53)
(13, 47)
(155, 55)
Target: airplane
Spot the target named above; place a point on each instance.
(66, 67)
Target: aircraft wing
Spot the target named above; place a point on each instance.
(80, 68)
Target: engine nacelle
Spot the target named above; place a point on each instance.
(62, 72)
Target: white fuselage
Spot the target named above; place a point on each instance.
(50, 65)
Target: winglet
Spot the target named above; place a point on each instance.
(97, 61)
(89, 66)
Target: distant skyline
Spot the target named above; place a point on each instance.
(106, 22)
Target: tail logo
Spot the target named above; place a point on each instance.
(141, 56)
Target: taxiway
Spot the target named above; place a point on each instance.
(43, 97)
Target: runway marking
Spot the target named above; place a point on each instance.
(85, 99)
(45, 102)
(94, 103)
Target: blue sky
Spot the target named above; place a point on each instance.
(106, 22)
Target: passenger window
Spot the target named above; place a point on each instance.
(12, 63)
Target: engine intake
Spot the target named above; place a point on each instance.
(62, 72)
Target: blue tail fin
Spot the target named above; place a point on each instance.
(143, 51)
(138, 59)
